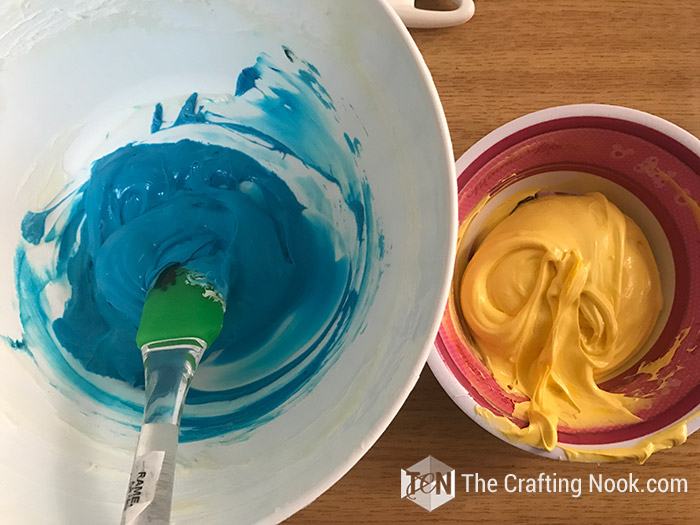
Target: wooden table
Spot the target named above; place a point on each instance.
(514, 57)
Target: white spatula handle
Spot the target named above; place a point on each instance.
(150, 494)
(168, 370)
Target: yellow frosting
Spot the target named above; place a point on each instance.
(561, 292)
(639, 451)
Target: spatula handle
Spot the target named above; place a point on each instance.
(169, 371)
(150, 494)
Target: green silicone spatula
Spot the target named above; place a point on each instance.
(182, 316)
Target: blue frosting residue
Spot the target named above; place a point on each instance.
(223, 195)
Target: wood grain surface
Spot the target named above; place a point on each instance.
(514, 57)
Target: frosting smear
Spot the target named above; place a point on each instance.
(259, 191)
(561, 292)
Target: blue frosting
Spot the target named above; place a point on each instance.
(296, 284)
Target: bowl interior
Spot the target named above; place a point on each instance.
(652, 179)
(78, 67)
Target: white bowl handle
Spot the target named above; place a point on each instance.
(425, 18)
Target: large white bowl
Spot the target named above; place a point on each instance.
(61, 461)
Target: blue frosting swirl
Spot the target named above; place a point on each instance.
(270, 206)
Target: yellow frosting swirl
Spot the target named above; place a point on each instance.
(560, 293)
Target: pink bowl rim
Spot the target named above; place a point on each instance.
(440, 369)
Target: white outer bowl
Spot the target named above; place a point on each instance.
(447, 380)
(59, 463)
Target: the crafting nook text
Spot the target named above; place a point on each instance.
(551, 483)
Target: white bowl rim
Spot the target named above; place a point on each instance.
(285, 511)
(461, 397)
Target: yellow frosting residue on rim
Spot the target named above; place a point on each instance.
(639, 451)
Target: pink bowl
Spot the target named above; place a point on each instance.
(650, 169)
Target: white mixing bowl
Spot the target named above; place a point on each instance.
(65, 459)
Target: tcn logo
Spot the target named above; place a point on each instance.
(429, 483)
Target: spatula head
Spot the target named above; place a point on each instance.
(182, 304)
